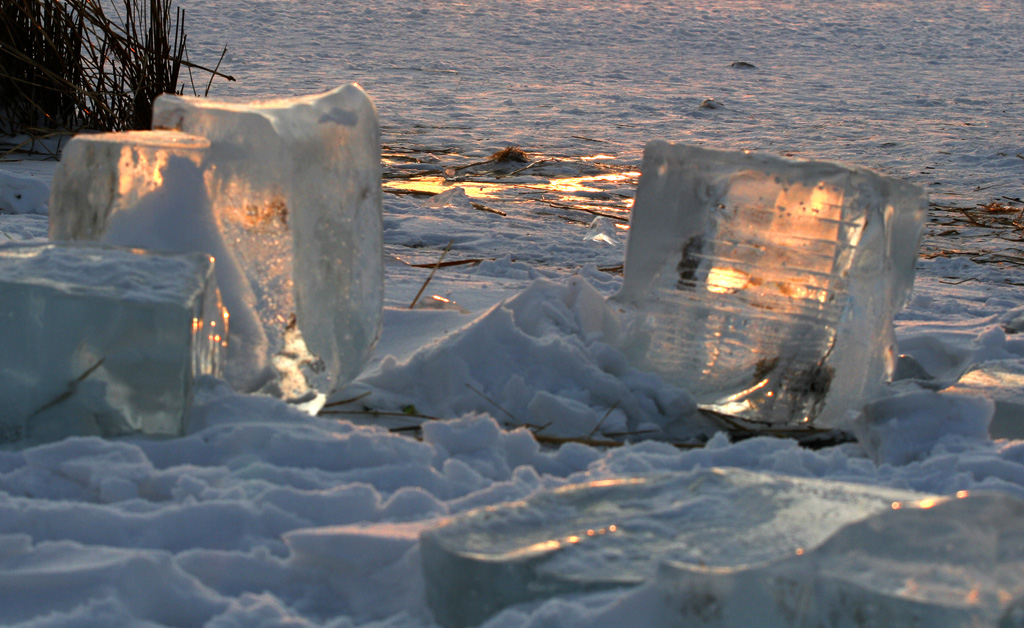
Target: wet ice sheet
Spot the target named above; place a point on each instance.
(866, 82)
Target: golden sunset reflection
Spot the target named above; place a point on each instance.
(437, 185)
(565, 186)
(726, 280)
(575, 186)
(550, 545)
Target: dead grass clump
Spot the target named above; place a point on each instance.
(510, 154)
(995, 207)
(66, 66)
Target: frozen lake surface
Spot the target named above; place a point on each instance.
(926, 92)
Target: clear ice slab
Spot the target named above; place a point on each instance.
(103, 341)
(284, 193)
(146, 189)
(936, 562)
(295, 186)
(613, 533)
(767, 286)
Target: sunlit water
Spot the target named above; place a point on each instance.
(928, 91)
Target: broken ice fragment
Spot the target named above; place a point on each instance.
(614, 533)
(937, 562)
(455, 198)
(102, 340)
(767, 286)
(602, 230)
(296, 188)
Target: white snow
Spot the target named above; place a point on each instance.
(263, 515)
(20, 194)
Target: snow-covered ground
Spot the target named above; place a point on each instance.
(263, 515)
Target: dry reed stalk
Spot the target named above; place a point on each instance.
(66, 66)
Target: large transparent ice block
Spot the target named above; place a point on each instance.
(296, 190)
(146, 189)
(101, 174)
(767, 286)
(936, 562)
(101, 340)
(614, 533)
(285, 194)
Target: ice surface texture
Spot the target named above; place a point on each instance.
(767, 286)
(612, 533)
(102, 340)
(285, 194)
(296, 188)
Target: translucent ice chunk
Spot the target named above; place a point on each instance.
(285, 194)
(613, 533)
(101, 174)
(602, 230)
(102, 340)
(941, 563)
(145, 189)
(296, 188)
(767, 286)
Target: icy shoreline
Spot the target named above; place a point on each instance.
(264, 516)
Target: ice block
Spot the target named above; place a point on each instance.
(616, 532)
(101, 340)
(296, 188)
(936, 562)
(284, 193)
(146, 189)
(767, 286)
(101, 174)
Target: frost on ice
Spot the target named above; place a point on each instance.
(103, 341)
(284, 193)
(767, 286)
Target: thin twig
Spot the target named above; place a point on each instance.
(495, 404)
(431, 276)
(601, 422)
(70, 391)
(377, 413)
(485, 208)
(347, 401)
(458, 262)
(214, 72)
